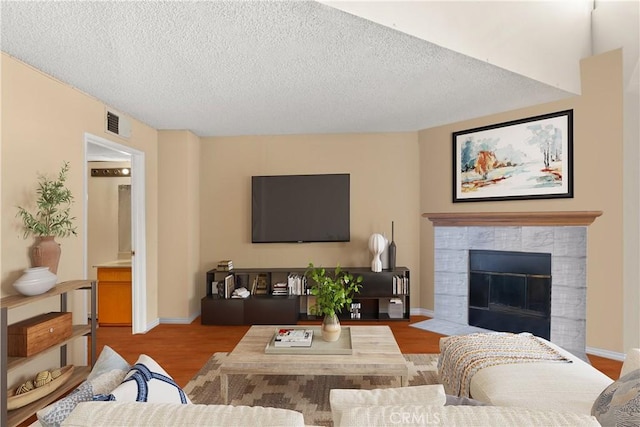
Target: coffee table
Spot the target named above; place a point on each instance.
(374, 352)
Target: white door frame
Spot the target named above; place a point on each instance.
(138, 227)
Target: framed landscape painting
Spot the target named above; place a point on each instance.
(523, 159)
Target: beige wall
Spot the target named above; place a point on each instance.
(43, 124)
(384, 188)
(597, 147)
(180, 281)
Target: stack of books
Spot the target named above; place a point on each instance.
(225, 265)
(290, 337)
(280, 289)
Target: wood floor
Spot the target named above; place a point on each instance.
(183, 349)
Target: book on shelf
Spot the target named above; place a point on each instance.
(400, 285)
(291, 337)
(254, 285)
(229, 286)
(296, 284)
(261, 285)
(225, 265)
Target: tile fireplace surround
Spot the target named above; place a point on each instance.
(562, 234)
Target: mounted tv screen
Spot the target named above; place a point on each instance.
(300, 208)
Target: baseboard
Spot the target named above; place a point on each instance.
(421, 312)
(178, 320)
(152, 325)
(605, 353)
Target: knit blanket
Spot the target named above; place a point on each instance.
(463, 355)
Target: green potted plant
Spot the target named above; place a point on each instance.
(51, 219)
(333, 292)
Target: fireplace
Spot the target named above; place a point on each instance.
(563, 235)
(510, 291)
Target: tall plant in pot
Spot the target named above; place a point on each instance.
(333, 291)
(52, 218)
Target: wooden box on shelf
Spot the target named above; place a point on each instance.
(38, 333)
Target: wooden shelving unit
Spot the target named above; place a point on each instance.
(17, 416)
(377, 290)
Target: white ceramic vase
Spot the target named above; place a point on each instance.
(35, 281)
(377, 244)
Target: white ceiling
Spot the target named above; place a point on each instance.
(251, 68)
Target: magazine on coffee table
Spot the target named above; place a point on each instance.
(291, 337)
(318, 345)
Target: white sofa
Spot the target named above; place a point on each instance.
(417, 405)
(143, 414)
(425, 405)
(541, 385)
(528, 394)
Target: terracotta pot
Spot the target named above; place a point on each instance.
(331, 328)
(46, 253)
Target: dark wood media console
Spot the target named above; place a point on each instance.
(375, 296)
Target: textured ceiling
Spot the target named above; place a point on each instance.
(248, 68)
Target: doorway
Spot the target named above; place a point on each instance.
(97, 148)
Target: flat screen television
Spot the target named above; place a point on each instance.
(300, 208)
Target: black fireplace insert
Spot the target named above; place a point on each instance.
(510, 291)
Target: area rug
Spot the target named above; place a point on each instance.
(304, 393)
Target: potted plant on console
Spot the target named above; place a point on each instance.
(51, 219)
(332, 292)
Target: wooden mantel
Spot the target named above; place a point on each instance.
(494, 219)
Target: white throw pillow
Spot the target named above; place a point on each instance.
(108, 360)
(148, 382)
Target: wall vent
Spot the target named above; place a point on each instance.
(117, 124)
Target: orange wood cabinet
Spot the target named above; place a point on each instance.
(114, 296)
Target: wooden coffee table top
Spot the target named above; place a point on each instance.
(374, 352)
